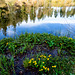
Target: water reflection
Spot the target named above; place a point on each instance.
(39, 19)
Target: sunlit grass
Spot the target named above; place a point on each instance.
(42, 2)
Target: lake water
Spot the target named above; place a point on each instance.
(58, 21)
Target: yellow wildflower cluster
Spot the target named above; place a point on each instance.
(47, 58)
(43, 56)
(43, 62)
(38, 58)
(49, 55)
(35, 63)
(54, 66)
(29, 62)
(48, 69)
(7, 43)
(70, 38)
(41, 70)
(45, 68)
(32, 60)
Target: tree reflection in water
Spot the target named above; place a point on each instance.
(16, 15)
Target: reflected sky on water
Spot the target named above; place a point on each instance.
(55, 20)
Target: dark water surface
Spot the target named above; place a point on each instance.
(55, 20)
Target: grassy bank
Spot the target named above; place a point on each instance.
(37, 54)
(46, 3)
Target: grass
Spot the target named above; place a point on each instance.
(51, 66)
(40, 2)
(37, 53)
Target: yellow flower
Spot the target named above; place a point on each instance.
(49, 55)
(35, 64)
(41, 70)
(41, 55)
(48, 69)
(29, 61)
(43, 66)
(70, 38)
(54, 66)
(44, 56)
(43, 62)
(7, 43)
(47, 58)
(32, 59)
(38, 58)
(35, 61)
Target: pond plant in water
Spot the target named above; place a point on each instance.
(37, 54)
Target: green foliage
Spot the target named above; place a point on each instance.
(6, 65)
(3, 44)
(43, 63)
(51, 43)
(25, 62)
(11, 47)
(27, 41)
(49, 65)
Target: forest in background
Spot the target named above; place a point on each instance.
(38, 2)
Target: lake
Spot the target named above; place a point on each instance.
(59, 21)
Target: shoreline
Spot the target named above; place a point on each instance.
(37, 54)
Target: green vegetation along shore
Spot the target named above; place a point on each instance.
(37, 54)
(38, 2)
